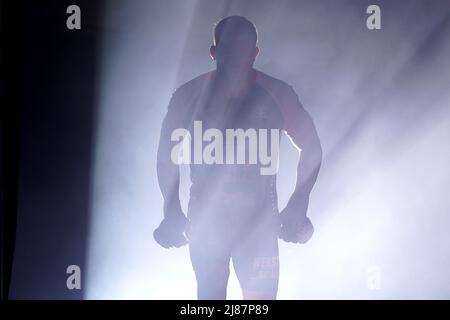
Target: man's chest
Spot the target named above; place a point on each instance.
(254, 111)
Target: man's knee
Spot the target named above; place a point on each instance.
(211, 291)
(259, 294)
(212, 279)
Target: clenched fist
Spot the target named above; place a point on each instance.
(171, 232)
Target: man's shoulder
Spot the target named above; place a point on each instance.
(271, 82)
(195, 85)
(279, 89)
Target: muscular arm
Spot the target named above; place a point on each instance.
(302, 132)
(167, 171)
(173, 229)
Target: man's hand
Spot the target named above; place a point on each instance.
(170, 232)
(299, 232)
(295, 225)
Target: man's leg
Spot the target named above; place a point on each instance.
(210, 257)
(255, 260)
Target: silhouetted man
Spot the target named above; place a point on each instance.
(233, 207)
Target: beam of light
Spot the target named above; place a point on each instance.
(139, 71)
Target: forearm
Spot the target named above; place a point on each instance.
(168, 174)
(169, 183)
(307, 172)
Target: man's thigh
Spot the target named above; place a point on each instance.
(210, 253)
(256, 261)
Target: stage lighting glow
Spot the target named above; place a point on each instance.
(380, 103)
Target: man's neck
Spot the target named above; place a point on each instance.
(234, 84)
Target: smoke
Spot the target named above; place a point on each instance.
(380, 102)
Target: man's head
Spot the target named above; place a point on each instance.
(235, 40)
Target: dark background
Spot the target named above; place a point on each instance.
(50, 83)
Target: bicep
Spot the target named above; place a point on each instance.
(301, 129)
(298, 123)
(173, 119)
